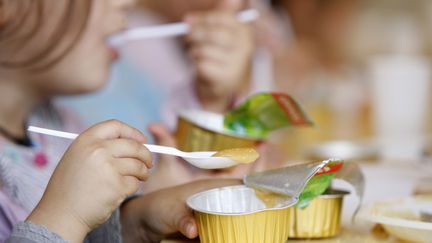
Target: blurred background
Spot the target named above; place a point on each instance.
(372, 81)
(361, 69)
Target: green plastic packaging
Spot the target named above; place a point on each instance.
(263, 113)
(319, 183)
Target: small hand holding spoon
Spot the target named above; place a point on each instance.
(203, 160)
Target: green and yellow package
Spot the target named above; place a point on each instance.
(263, 113)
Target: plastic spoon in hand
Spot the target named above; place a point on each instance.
(203, 160)
(168, 30)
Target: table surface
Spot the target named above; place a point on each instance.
(350, 236)
(384, 180)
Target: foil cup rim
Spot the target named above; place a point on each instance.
(184, 115)
(191, 205)
(334, 193)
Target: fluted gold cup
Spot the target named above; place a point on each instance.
(237, 214)
(203, 131)
(321, 219)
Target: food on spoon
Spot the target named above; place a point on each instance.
(239, 155)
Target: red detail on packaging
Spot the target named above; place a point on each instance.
(329, 169)
(291, 108)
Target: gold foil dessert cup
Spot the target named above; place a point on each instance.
(321, 219)
(204, 131)
(236, 214)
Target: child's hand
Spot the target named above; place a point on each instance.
(99, 170)
(169, 170)
(151, 217)
(221, 48)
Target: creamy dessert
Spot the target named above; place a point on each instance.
(240, 155)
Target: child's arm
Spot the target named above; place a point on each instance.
(151, 217)
(99, 170)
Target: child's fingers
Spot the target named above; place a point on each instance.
(128, 148)
(213, 18)
(211, 30)
(211, 53)
(131, 167)
(220, 38)
(186, 224)
(222, 20)
(114, 129)
(130, 185)
(223, 37)
(162, 135)
(209, 68)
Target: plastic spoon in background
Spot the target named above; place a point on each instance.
(203, 160)
(168, 30)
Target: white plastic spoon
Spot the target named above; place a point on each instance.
(203, 160)
(167, 30)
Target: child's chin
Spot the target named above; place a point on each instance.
(99, 80)
(92, 85)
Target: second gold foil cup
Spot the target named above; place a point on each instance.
(236, 214)
(321, 219)
(203, 131)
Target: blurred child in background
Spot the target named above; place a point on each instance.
(207, 69)
(210, 68)
(300, 50)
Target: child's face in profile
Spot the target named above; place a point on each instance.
(85, 67)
